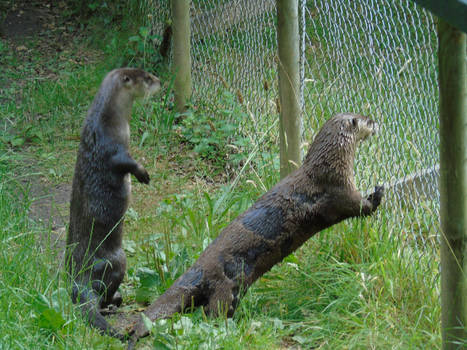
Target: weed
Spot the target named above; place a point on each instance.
(216, 137)
(143, 48)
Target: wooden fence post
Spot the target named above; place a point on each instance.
(289, 85)
(453, 184)
(181, 52)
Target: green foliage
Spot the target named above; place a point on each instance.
(47, 312)
(5, 5)
(138, 49)
(144, 50)
(30, 134)
(217, 137)
(195, 332)
(157, 117)
(168, 261)
(107, 11)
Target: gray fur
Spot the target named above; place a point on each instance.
(101, 192)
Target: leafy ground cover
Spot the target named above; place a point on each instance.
(351, 287)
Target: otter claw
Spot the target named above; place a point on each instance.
(375, 197)
(142, 176)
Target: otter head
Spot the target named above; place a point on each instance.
(331, 155)
(137, 82)
(113, 103)
(354, 127)
(121, 87)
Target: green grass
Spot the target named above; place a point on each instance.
(352, 286)
(363, 284)
(35, 309)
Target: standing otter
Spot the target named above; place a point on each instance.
(319, 194)
(100, 194)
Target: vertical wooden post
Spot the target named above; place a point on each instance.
(181, 52)
(289, 85)
(453, 184)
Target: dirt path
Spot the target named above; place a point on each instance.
(25, 19)
(50, 204)
(38, 21)
(50, 209)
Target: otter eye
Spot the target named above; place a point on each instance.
(354, 122)
(126, 79)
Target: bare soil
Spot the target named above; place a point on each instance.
(24, 19)
(38, 21)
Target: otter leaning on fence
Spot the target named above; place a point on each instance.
(319, 194)
(101, 192)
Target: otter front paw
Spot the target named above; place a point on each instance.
(375, 197)
(141, 174)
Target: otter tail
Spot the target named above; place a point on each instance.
(89, 302)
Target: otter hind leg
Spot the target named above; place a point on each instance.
(116, 299)
(107, 276)
(223, 301)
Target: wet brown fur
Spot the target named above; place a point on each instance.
(319, 194)
(100, 194)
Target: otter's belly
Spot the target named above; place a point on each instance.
(109, 201)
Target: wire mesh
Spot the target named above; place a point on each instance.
(233, 49)
(365, 56)
(379, 59)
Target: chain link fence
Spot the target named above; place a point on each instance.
(379, 59)
(365, 56)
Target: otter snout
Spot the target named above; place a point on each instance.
(153, 84)
(366, 127)
(374, 126)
